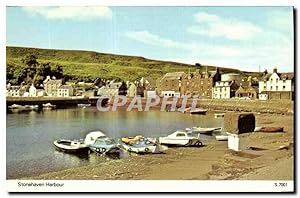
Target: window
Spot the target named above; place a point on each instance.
(276, 80)
(271, 80)
(180, 135)
(283, 87)
(276, 88)
(271, 87)
(265, 87)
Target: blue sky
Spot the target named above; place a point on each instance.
(238, 37)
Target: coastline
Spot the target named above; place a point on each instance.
(211, 162)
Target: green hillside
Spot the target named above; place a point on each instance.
(91, 65)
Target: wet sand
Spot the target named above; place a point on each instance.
(212, 161)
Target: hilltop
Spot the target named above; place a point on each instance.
(78, 64)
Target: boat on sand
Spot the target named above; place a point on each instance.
(203, 130)
(98, 142)
(181, 138)
(140, 144)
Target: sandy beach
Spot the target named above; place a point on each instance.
(272, 161)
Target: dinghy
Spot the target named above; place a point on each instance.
(73, 146)
(181, 138)
(98, 142)
(143, 145)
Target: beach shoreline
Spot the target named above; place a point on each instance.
(212, 162)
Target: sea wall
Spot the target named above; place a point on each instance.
(270, 106)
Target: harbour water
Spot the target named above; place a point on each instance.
(30, 135)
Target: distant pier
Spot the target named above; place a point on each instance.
(60, 102)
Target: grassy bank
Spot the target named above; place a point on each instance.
(94, 65)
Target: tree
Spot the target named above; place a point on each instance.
(57, 70)
(198, 65)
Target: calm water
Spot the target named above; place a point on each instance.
(30, 136)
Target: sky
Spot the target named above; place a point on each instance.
(245, 38)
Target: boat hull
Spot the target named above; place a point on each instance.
(180, 142)
(62, 146)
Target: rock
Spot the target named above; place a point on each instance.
(239, 123)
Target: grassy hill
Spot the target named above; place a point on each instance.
(77, 63)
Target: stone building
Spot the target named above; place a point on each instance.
(277, 86)
(200, 84)
(113, 89)
(51, 86)
(247, 89)
(170, 84)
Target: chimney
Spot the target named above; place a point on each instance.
(265, 72)
(275, 70)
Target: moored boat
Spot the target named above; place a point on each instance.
(73, 146)
(203, 130)
(49, 106)
(142, 145)
(181, 138)
(98, 142)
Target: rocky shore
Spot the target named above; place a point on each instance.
(273, 160)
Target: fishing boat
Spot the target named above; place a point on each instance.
(31, 107)
(72, 146)
(181, 138)
(203, 130)
(142, 145)
(98, 142)
(49, 106)
(198, 111)
(219, 115)
(15, 106)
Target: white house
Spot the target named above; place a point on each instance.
(277, 85)
(224, 89)
(13, 91)
(32, 91)
(65, 91)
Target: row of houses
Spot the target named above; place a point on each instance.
(204, 85)
(213, 85)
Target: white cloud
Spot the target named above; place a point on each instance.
(215, 26)
(72, 13)
(152, 39)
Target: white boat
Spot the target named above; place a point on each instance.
(49, 106)
(203, 130)
(181, 138)
(15, 106)
(144, 146)
(73, 146)
(98, 142)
